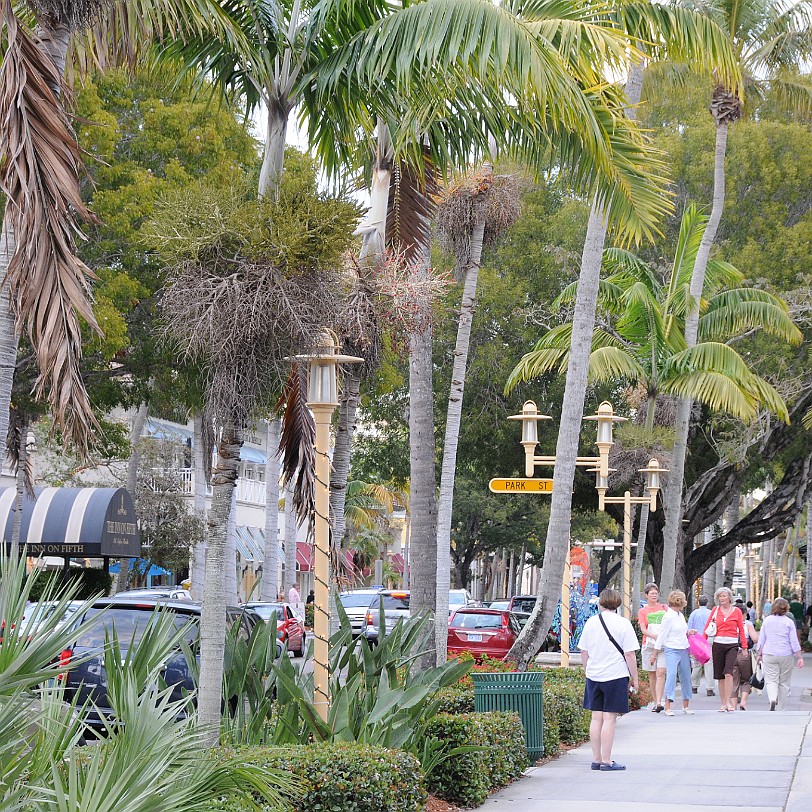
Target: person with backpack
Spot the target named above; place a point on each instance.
(608, 645)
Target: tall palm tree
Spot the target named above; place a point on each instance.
(771, 41)
(654, 30)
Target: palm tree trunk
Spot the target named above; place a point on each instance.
(213, 615)
(136, 430)
(273, 157)
(639, 556)
(808, 578)
(22, 455)
(454, 416)
(291, 529)
(197, 565)
(8, 333)
(269, 588)
(566, 451)
(230, 569)
(672, 533)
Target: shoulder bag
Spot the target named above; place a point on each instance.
(710, 631)
(614, 642)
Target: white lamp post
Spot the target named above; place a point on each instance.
(322, 398)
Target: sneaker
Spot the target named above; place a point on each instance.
(711, 692)
(606, 768)
(695, 690)
(669, 713)
(689, 712)
(596, 765)
(772, 706)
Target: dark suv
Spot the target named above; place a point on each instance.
(130, 617)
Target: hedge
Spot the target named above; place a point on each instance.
(91, 583)
(340, 777)
(469, 778)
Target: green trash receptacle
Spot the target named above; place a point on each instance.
(518, 692)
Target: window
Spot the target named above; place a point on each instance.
(470, 620)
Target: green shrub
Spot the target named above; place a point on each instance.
(456, 699)
(341, 777)
(92, 582)
(563, 704)
(469, 778)
(310, 609)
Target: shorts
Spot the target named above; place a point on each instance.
(724, 657)
(645, 659)
(611, 696)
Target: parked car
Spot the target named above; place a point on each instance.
(87, 678)
(395, 605)
(37, 612)
(458, 599)
(290, 629)
(498, 605)
(355, 603)
(169, 593)
(481, 631)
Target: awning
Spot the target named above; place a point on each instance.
(86, 522)
(251, 547)
(304, 556)
(248, 454)
(163, 430)
(398, 562)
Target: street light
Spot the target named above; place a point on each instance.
(322, 398)
(652, 474)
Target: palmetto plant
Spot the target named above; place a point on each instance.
(641, 337)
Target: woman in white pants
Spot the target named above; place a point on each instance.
(778, 651)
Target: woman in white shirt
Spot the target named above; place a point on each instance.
(673, 639)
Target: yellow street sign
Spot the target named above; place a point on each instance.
(521, 485)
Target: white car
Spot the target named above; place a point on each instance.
(355, 603)
(459, 599)
(169, 593)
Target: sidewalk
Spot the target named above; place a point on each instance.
(709, 762)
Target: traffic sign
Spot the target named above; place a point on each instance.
(517, 485)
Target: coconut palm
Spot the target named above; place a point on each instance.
(771, 41)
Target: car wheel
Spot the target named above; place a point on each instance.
(278, 651)
(302, 647)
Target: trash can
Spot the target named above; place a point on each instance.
(518, 692)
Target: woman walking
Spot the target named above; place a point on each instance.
(778, 648)
(673, 640)
(744, 666)
(725, 629)
(649, 618)
(608, 645)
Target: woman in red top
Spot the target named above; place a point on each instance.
(726, 640)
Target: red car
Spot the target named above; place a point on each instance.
(482, 631)
(289, 628)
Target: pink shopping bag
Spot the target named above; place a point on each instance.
(700, 647)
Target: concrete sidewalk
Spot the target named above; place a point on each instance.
(709, 762)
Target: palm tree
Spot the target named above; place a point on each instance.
(654, 30)
(771, 41)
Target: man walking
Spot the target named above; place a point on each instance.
(697, 620)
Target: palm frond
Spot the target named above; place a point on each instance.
(296, 442)
(49, 284)
(734, 312)
(612, 364)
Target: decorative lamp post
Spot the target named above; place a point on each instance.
(652, 474)
(322, 398)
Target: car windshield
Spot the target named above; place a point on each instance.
(355, 601)
(471, 620)
(456, 598)
(265, 610)
(523, 605)
(391, 602)
(130, 625)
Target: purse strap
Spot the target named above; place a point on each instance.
(614, 642)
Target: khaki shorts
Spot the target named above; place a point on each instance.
(645, 659)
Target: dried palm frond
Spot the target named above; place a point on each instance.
(297, 442)
(455, 211)
(358, 323)
(411, 207)
(49, 285)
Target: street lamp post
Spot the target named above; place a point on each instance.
(652, 473)
(322, 398)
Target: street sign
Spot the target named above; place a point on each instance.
(521, 485)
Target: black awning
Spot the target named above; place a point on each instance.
(74, 522)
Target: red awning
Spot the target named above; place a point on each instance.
(399, 563)
(304, 556)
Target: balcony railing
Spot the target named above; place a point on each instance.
(249, 491)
